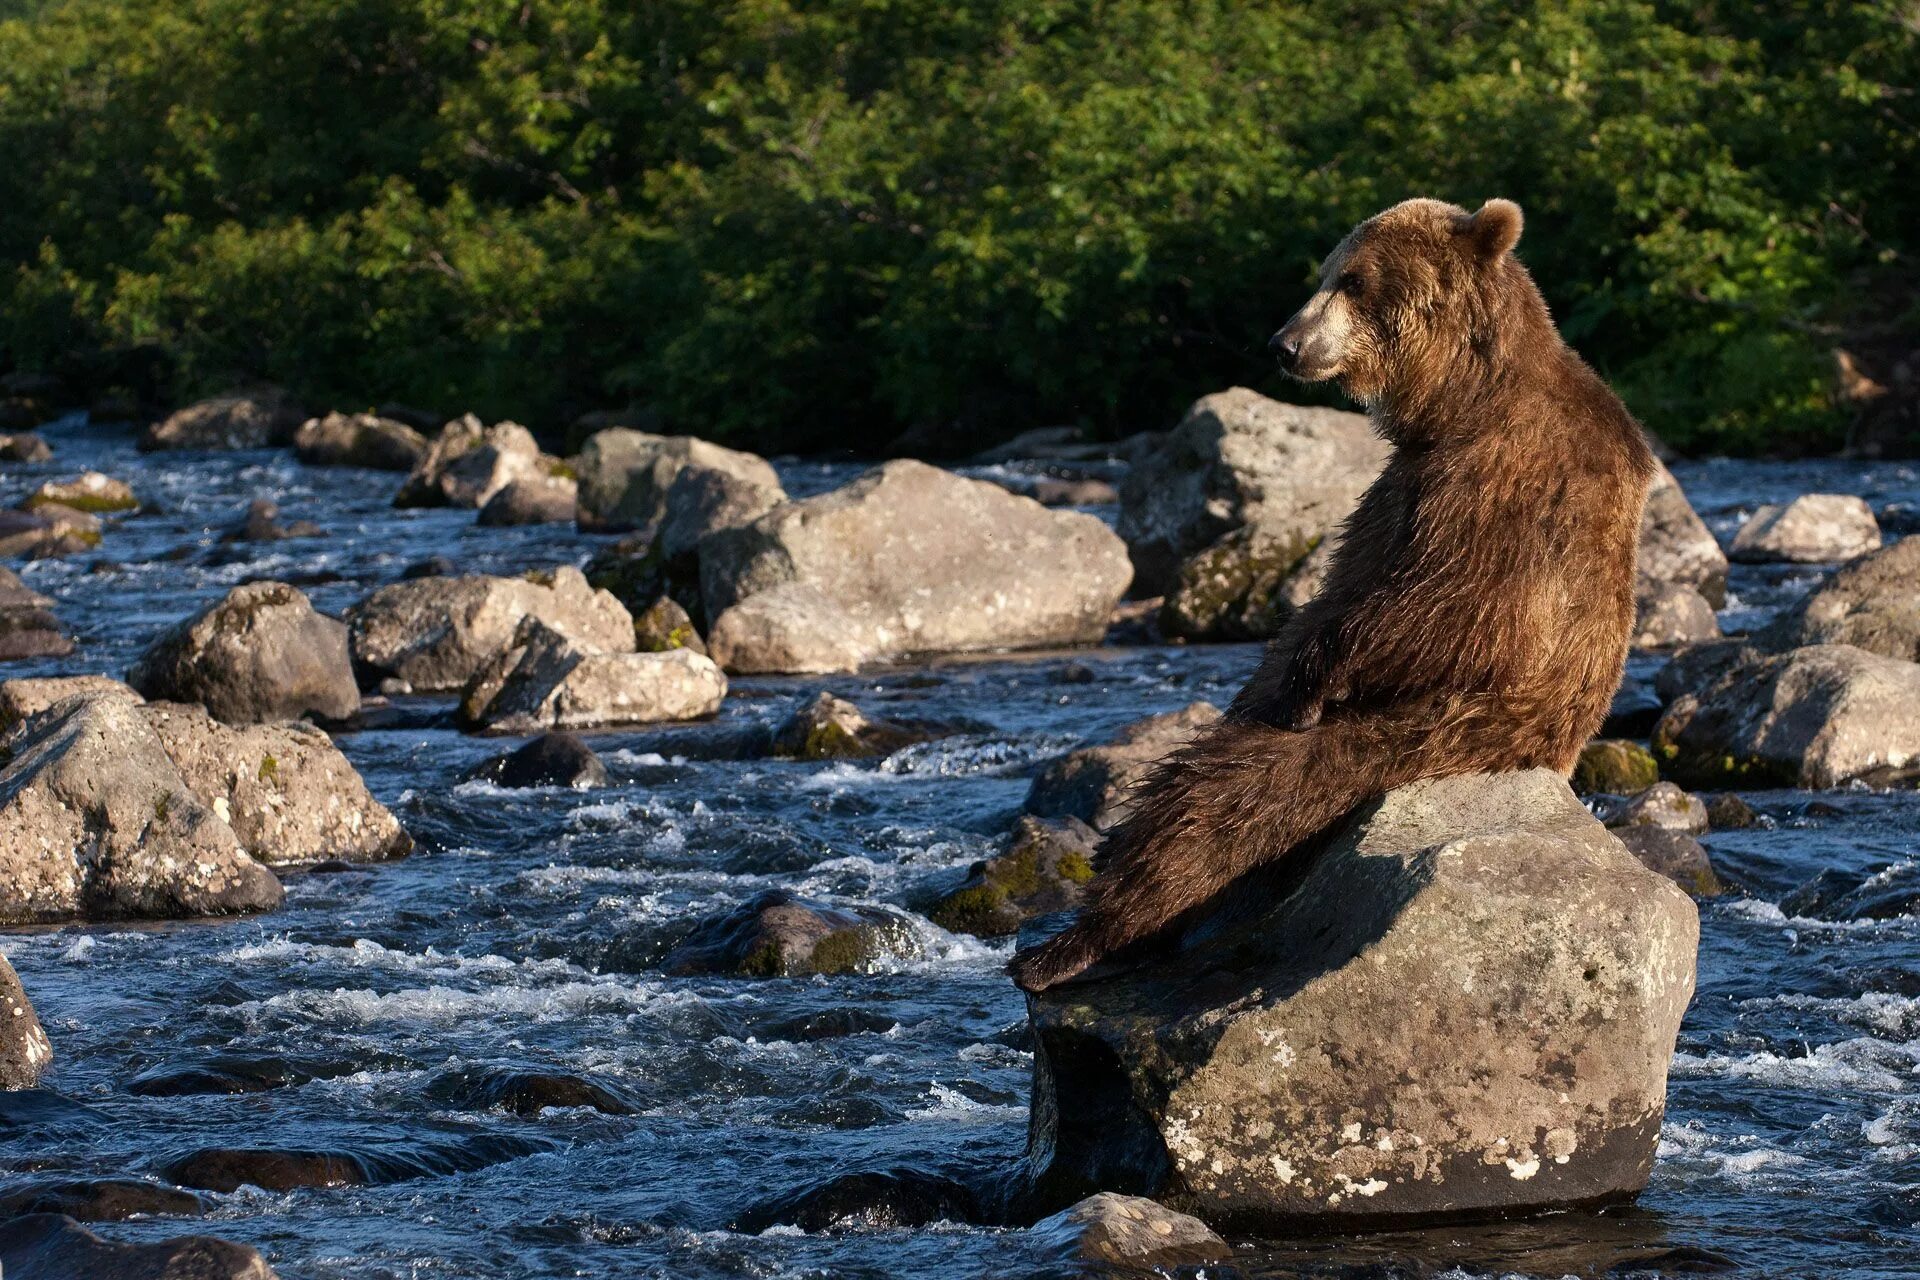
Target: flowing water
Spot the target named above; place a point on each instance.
(526, 930)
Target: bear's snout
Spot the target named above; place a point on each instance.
(1285, 348)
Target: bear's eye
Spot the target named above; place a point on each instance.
(1350, 283)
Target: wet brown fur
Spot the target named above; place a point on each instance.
(1477, 612)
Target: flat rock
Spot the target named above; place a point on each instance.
(359, 440)
(1672, 614)
(1127, 1231)
(51, 1246)
(909, 559)
(1240, 459)
(1676, 547)
(261, 652)
(1044, 868)
(544, 681)
(285, 789)
(1465, 1006)
(468, 462)
(97, 823)
(550, 760)
(25, 1051)
(625, 476)
(1094, 784)
(537, 499)
(91, 491)
(260, 419)
(778, 934)
(1813, 717)
(1872, 604)
(1812, 529)
(436, 633)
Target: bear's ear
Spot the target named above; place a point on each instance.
(1493, 230)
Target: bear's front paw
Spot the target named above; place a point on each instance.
(1053, 962)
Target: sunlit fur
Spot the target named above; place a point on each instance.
(1476, 614)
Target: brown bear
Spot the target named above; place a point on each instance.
(1476, 614)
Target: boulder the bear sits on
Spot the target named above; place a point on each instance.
(1476, 615)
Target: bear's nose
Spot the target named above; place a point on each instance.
(1283, 348)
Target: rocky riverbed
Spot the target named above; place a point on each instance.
(509, 1053)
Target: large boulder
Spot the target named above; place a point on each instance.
(625, 476)
(359, 440)
(28, 628)
(96, 822)
(1095, 784)
(1813, 717)
(545, 681)
(468, 463)
(909, 559)
(1676, 547)
(285, 789)
(258, 653)
(1238, 459)
(52, 1246)
(435, 633)
(1243, 587)
(1814, 528)
(1872, 604)
(25, 1051)
(29, 697)
(261, 419)
(1465, 1007)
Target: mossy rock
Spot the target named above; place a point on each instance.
(1614, 766)
(1043, 869)
(664, 625)
(830, 728)
(1232, 590)
(781, 935)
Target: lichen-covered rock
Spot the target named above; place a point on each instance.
(793, 628)
(28, 628)
(1676, 547)
(829, 728)
(546, 681)
(920, 561)
(50, 531)
(1465, 1007)
(1236, 589)
(96, 822)
(664, 625)
(777, 934)
(91, 491)
(1872, 604)
(1814, 717)
(1614, 766)
(468, 463)
(1044, 868)
(1094, 784)
(285, 789)
(1812, 529)
(260, 419)
(1662, 805)
(625, 476)
(25, 446)
(359, 440)
(25, 1051)
(52, 1246)
(1671, 614)
(29, 697)
(435, 633)
(537, 499)
(1237, 459)
(1675, 855)
(1108, 1230)
(550, 760)
(258, 653)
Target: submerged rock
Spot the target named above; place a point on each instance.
(262, 524)
(284, 788)
(436, 633)
(288, 1169)
(25, 1051)
(908, 559)
(1872, 604)
(625, 476)
(1814, 717)
(830, 728)
(866, 1199)
(467, 463)
(1884, 892)
(550, 760)
(1239, 459)
(359, 440)
(529, 1092)
(1676, 547)
(546, 681)
(1812, 529)
(52, 1246)
(261, 652)
(28, 628)
(96, 822)
(778, 934)
(1044, 868)
(259, 419)
(91, 491)
(1127, 1231)
(99, 1200)
(1672, 614)
(1465, 1006)
(1094, 784)
(1614, 765)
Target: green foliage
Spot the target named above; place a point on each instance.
(813, 223)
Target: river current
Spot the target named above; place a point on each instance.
(525, 932)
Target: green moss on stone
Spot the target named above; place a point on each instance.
(843, 951)
(1075, 867)
(1614, 765)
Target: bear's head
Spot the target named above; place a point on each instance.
(1407, 294)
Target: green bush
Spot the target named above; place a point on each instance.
(815, 224)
